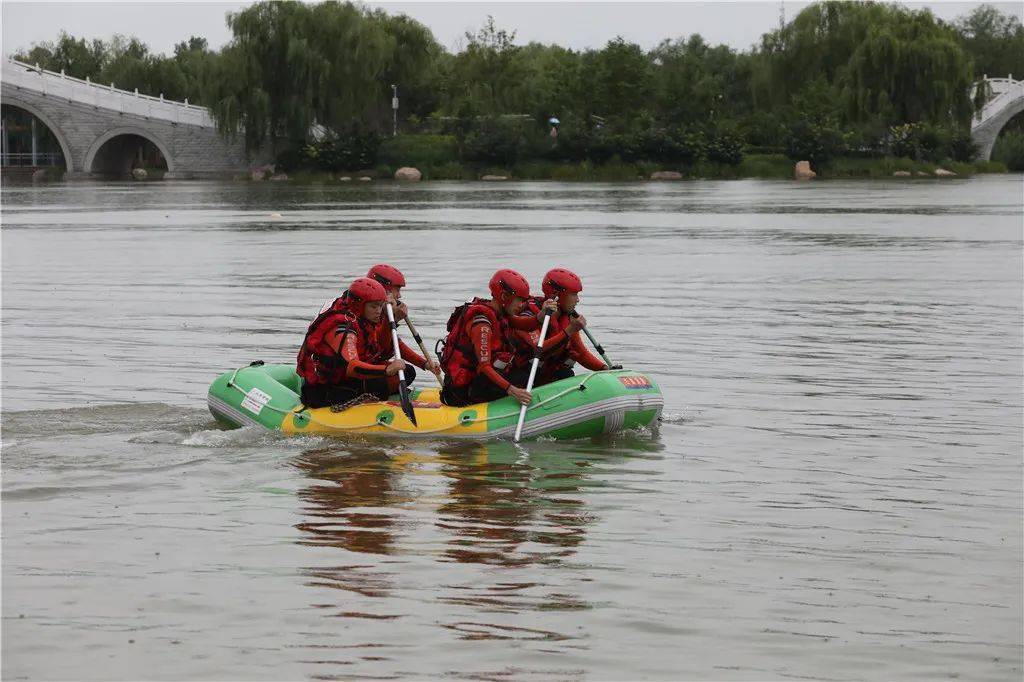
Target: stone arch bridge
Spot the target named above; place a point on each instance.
(1007, 101)
(97, 126)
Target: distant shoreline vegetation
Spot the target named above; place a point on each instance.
(856, 88)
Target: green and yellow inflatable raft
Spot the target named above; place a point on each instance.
(577, 407)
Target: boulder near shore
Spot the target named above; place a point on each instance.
(802, 171)
(408, 174)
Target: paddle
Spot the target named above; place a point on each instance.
(403, 389)
(423, 349)
(597, 346)
(533, 370)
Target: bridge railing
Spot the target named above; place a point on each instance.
(1003, 91)
(55, 84)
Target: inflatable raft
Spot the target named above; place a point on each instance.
(577, 407)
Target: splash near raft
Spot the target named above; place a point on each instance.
(577, 407)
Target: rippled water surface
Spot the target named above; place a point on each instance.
(835, 492)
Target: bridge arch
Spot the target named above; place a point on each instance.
(62, 139)
(1007, 103)
(97, 145)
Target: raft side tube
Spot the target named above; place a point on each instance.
(580, 406)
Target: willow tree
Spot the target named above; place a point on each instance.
(887, 64)
(292, 65)
(908, 70)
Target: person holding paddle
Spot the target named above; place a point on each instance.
(563, 347)
(392, 279)
(478, 349)
(344, 354)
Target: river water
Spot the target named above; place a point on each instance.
(835, 491)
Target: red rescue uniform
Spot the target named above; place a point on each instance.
(478, 353)
(344, 355)
(561, 350)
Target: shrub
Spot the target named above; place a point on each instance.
(962, 146)
(815, 142)
(725, 148)
(1009, 149)
(766, 166)
(418, 150)
(289, 160)
(354, 151)
(925, 142)
(495, 141)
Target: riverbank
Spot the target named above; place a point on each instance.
(763, 166)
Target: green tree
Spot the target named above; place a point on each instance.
(76, 58)
(994, 41)
(697, 84)
(617, 82)
(486, 76)
(888, 64)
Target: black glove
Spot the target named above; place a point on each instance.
(615, 367)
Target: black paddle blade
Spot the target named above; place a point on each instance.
(403, 391)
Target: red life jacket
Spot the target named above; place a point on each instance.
(522, 350)
(458, 358)
(318, 363)
(557, 357)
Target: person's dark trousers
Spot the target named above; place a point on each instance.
(480, 389)
(323, 395)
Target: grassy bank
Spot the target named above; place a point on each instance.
(765, 166)
(439, 157)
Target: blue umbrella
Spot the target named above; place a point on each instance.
(553, 121)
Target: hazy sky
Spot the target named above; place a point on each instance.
(571, 24)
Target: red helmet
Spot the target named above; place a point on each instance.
(365, 290)
(388, 275)
(507, 284)
(561, 280)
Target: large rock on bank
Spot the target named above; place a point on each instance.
(139, 173)
(802, 171)
(408, 174)
(666, 175)
(943, 173)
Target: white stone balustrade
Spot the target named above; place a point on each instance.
(51, 83)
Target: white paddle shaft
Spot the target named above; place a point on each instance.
(394, 340)
(533, 372)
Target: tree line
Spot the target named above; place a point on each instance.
(839, 77)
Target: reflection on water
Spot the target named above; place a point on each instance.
(501, 508)
(349, 506)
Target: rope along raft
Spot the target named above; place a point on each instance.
(573, 407)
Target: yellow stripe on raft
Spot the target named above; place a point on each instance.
(387, 417)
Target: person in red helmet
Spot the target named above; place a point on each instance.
(343, 356)
(563, 347)
(392, 279)
(478, 349)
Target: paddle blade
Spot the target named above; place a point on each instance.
(403, 391)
